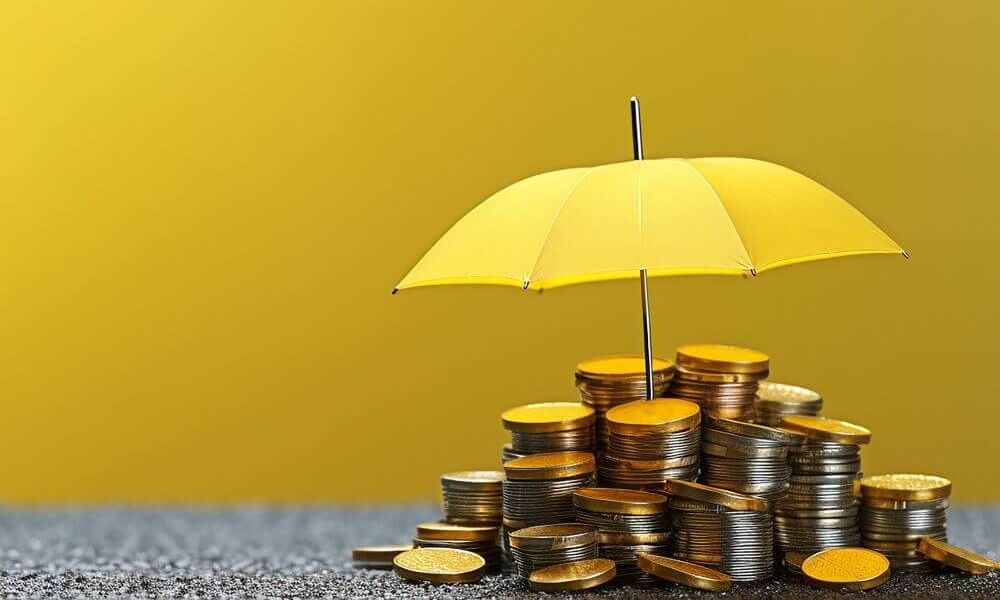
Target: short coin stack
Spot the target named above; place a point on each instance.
(820, 509)
(472, 497)
(628, 522)
(746, 458)
(538, 489)
(777, 400)
(609, 381)
(651, 441)
(899, 509)
(544, 545)
(550, 427)
(483, 540)
(722, 530)
(722, 379)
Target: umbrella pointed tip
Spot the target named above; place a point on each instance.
(753, 272)
(906, 254)
(394, 290)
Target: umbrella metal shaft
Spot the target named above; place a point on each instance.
(647, 334)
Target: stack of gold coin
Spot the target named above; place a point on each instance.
(544, 545)
(722, 530)
(899, 509)
(820, 509)
(473, 497)
(777, 400)
(628, 522)
(550, 427)
(608, 381)
(651, 441)
(538, 489)
(483, 540)
(722, 379)
(746, 457)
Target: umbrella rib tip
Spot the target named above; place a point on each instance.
(906, 254)
(394, 290)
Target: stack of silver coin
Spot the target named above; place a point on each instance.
(820, 509)
(473, 497)
(722, 379)
(650, 442)
(538, 489)
(483, 540)
(777, 400)
(722, 530)
(550, 427)
(544, 545)
(746, 458)
(898, 510)
(629, 522)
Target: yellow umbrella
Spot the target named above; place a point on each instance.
(648, 218)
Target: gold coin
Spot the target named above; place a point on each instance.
(378, 555)
(905, 486)
(620, 502)
(720, 358)
(779, 395)
(577, 575)
(661, 415)
(483, 479)
(957, 557)
(553, 537)
(703, 493)
(440, 565)
(548, 417)
(550, 465)
(451, 532)
(851, 568)
(684, 573)
(823, 429)
(633, 539)
(686, 375)
(621, 366)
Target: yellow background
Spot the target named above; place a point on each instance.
(204, 205)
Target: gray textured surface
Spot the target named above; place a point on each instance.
(305, 552)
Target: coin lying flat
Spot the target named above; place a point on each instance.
(550, 465)
(957, 557)
(452, 532)
(619, 501)
(684, 573)
(377, 556)
(440, 565)
(577, 575)
(610, 367)
(721, 358)
(548, 417)
(660, 415)
(822, 429)
(850, 568)
(905, 486)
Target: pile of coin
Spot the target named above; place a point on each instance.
(746, 457)
(722, 379)
(777, 400)
(628, 522)
(549, 427)
(544, 545)
(483, 540)
(651, 441)
(538, 489)
(609, 381)
(722, 530)
(820, 509)
(899, 509)
(472, 497)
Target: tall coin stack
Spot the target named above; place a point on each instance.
(722, 530)
(628, 522)
(746, 458)
(722, 379)
(544, 545)
(897, 510)
(483, 540)
(777, 400)
(472, 497)
(550, 427)
(651, 441)
(609, 381)
(820, 509)
(538, 489)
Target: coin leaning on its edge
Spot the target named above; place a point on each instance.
(955, 556)
(846, 568)
(440, 565)
(572, 576)
(684, 573)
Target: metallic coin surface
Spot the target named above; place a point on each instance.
(659, 415)
(850, 568)
(548, 417)
(703, 493)
(905, 486)
(753, 430)
(684, 573)
(827, 430)
(780, 396)
(553, 537)
(474, 479)
(571, 576)
(378, 556)
(955, 556)
(550, 465)
(452, 532)
(610, 367)
(439, 565)
(619, 501)
(720, 358)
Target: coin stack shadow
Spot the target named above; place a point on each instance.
(483, 540)
(544, 545)
(650, 442)
(722, 530)
(746, 458)
(472, 497)
(548, 427)
(609, 381)
(722, 379)
(897, 511)
(777, 400)
(628, 522)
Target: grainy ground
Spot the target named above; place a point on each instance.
(305, 552)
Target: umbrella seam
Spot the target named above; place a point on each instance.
(555, 217)
(751, 267)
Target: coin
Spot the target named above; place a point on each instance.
(377, 556)
(703, 493)
(439, 565)
(548, 417)
(550, 465)
(448, 531)
(720, 358)
(956, 557)
(685, 573)
(752, 430)
(827, 430)
(578, 575)
(660, 415)
(621, 366)
(850, 568)
(620, 501)
(905, 486)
